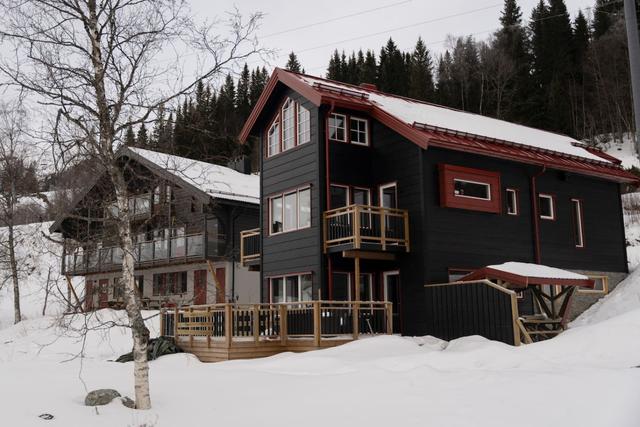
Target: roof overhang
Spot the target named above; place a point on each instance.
(522, 281)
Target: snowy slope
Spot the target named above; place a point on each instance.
(623, 150)
(38, 258)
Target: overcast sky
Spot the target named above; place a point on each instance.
(366, 24)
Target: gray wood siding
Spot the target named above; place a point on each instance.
(301, 250)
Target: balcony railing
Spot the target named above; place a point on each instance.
(159, 251)
(250, 246)
(366, 227)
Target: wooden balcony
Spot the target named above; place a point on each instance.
(250, 247)
(366, 228)
(166, 251)
(226, 331)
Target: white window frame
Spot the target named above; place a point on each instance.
(330, 127)
(468, 181)
(553, 207)
(284, 278)
(513, 194)
(303, 127)
(286, 225)
(348, 194)
(358, 131)
(367, 190)
(297, 211)
(288, 114)
(271, 134)
(576, 207)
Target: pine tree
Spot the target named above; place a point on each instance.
(444, 87)
(334, 71)
(392, 76)
(370, 68)
(293, 64)
(142, 140)
(130, 137)
(243, 101)
(421, 73)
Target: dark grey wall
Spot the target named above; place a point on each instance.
(297, 251)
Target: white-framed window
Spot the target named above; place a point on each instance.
(512, 201)
(471, 189)
(273, 138)
(156, 195)
(291, 288)
(578, 223)
(339, 196)
(288, 125)
(338, 127)
(546, 206)
(600, 285)
(341, 286)
(361, 196)
(358, 131)
(290, 211)
(304, 125)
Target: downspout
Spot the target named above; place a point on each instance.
(328, 196)
(536, 216)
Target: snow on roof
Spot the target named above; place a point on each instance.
(217, 181)
(536, 270)
(412, 111)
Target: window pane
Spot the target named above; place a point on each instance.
(274, 138)
(337, 128)
(292, 289)
(512, 205)
(340, 287)
(476, 190)
(306, 287)
(577, 223)
(358, 131)
(288, 136)
(276, 215)
(304, 129)
(545, 205)
(339, 196)
(365, 287)
(304, 214)
(277, 294)
(290, 211)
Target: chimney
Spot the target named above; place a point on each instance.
(368, 86)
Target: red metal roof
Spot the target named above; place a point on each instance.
(522, 281)
(339, 95)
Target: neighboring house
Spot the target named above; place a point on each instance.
(370, 196)
(187, 219)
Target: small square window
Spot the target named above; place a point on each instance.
(546, 206)
(359, 131)
(337, 127)
(512, 202)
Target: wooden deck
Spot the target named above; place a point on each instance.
(220, 332)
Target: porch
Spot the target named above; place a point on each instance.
(220, 332)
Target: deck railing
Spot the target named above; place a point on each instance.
(309, 320)
(362, 226)
(249, 245)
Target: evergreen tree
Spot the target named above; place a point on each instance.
(142, 140)
(444, 87)
(259, 79)
(293, 64)
(334, 71)
(392, 76)
(421, 73)
(370, 68)
(243, 101)
(130, 137)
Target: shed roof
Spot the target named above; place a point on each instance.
(522, 274)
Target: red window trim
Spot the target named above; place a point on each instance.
(516, 193)
(573, 219)
(448, 173)
(553, 207)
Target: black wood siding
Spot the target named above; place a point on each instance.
(297, 251)
(454, 311)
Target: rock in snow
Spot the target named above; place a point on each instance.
(100, 397)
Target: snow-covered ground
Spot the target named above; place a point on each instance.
(587, 376)
(623, 149)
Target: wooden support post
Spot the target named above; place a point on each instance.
(209, 326)
(75, 296)
(220, 297)
(175, 324)
(406, 230)
(191, 327)
(228, 323)
(325, 231)
(356, 227)
(514, 318)
(256, 323)
(162, 311)
(356, 260)
(383, 229)
(242, 237)
(317, 323)
(355, 312)
(283, 324)
(388, 308)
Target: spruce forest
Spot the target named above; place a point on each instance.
(548, 71)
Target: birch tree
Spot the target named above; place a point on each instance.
(99, 67)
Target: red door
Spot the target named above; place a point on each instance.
(220, 285)
(200, 287)
(88, 295)
(103, 296)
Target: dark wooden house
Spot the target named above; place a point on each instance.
(187, 220)
(370, 196)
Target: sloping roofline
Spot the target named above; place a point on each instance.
(523, 281)
(424, 135)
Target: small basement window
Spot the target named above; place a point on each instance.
(546, 206)
(512, 201)
(578, 223)
(471, 189)
(600, 285)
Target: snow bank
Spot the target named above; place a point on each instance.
(39, 259)
(623, 150)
